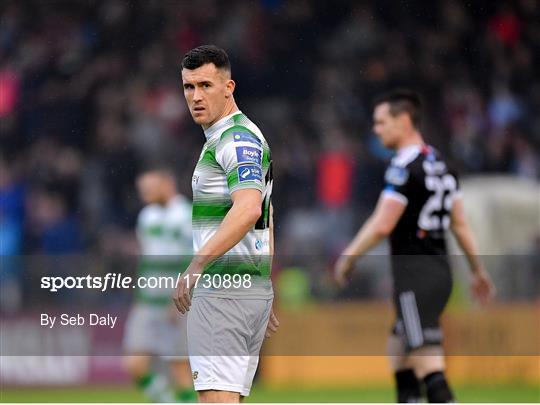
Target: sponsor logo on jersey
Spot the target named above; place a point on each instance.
(397, 176)
(248, 154)
(249, 173)
(246, 137)
(260, 245)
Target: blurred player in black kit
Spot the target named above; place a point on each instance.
(420, 201)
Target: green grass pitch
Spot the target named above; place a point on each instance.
(507, 393)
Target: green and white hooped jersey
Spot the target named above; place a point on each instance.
(166, 242)
(235, 156)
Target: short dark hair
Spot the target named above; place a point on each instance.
(204, 54)
(161, 170)
(402, 101)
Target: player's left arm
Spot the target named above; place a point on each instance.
(379, 225)
(481, 286)
(271, 229)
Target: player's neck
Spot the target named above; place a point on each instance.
(415, 139)
(168, 198)
(229, 109)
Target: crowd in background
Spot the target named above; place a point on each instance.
(91, 96)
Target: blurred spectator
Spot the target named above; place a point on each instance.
(505, 25)
(12, 195)
(55, 231)
(10, 90)
(503, 108)
(334, 179)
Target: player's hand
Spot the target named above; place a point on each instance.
(342, 269)
(273, 325)
(482, 287)
(182, 295)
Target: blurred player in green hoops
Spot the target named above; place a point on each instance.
(155, 336)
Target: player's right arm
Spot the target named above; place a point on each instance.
(242, 216)
(481, 287)
(243, 173)
(390, 207)
(242, 165)
(379, 225)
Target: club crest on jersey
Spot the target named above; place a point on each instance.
(397, 176)
(248, 154)
(249, 173)
(246, 137)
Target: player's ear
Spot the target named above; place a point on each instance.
(230, 85)
(405, 120)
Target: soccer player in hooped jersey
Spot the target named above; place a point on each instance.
(154, 331)
(420, 201)
(232, 235)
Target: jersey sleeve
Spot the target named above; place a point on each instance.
(398, 183)
(240, 153)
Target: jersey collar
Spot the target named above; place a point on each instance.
(219, 125)
(406, 155)
(410, 149)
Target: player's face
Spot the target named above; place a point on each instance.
(388, 128)
(208, 91)
(150, 187)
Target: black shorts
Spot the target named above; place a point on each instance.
(422, 287)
